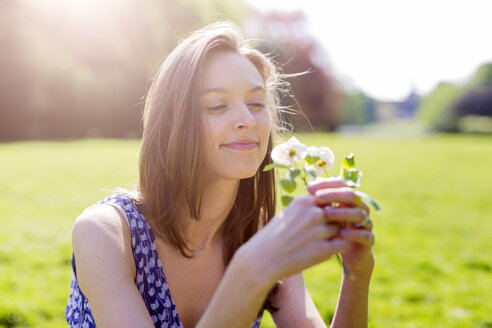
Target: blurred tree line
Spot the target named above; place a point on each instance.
(358, 108)
(81, 68)
(460, 108)
(75, 69)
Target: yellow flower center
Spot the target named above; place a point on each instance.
(292, 152)
(320, 163)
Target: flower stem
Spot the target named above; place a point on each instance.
(303, 177)
(345, 269)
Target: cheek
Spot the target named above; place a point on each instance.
(214, 133)
(263, 128)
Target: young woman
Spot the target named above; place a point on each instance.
(198, 244)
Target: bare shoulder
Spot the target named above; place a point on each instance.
(105, 267)
(99, 221)
(101, 242)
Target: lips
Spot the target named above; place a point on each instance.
(242, 144)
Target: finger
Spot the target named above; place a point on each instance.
(314, 216)
(324, 249)
(345, 196)
(365, 207)
(324, 183)
(298, 206)
(364, 237)
(330, 231)
(336, 246)
(344, 215)
(303, 201)
(366, 223)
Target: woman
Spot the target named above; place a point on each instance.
(201, 226)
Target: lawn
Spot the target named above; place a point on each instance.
(433, 249)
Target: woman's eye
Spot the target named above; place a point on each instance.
(218, 108)
(257, 106)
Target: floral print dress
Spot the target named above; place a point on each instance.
(150, 279)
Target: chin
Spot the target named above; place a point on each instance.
(245, 173)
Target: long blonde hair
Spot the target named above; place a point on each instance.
(171, 149)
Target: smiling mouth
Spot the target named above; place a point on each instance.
(241, 146)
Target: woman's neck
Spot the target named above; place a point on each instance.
(218, 199)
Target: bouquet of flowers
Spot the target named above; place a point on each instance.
(307, 163)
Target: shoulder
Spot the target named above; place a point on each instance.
(99, 223)
(106, 269)
(101, 241)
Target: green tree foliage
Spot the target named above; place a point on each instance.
(358, 108)
(482, 76)
(445, 107)
(433, 109)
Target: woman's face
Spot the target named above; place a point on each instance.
(236, 120)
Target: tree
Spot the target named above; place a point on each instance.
(448, 103)
(433, 109)
(358, 108)
(481, 77)
(318, 98)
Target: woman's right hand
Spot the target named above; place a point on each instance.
(295, 239)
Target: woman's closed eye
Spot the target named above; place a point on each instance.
(217, 109)
(220, 108)
(257, 106)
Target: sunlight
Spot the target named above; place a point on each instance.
(386, 48)
(84, 13)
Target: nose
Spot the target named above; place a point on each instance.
(244, 119)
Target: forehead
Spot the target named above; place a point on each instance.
(229, 71)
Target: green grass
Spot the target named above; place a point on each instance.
(433, 258)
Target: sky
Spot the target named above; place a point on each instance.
(386, 47)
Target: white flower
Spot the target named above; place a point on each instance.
(313, 151)
(289, 152)
(325, 160)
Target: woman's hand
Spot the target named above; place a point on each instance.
(352, 215)
(294, 240)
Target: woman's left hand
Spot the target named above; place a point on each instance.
(353, 216)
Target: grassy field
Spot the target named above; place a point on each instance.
(433, 249)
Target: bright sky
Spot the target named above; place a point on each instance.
(383, 47)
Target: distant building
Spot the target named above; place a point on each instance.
(389, 111)
(407, 108)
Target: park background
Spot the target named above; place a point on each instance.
(73, 79)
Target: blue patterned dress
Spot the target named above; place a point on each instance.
(150, 279)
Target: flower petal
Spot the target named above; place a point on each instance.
(280, 154)
(326, 154)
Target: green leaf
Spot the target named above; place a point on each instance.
(311, 159)
(352, 177)
(311, 172)
(274, 165)
(286, 199)
(294, 173)
(288, 185)
(368, 199)
(349, 161)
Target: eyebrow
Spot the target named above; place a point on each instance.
(222, 90)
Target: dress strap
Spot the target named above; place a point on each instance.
(143, 242)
